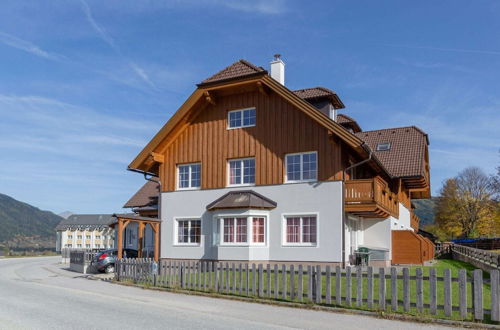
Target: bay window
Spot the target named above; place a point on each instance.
(300, 230)
(246, 230)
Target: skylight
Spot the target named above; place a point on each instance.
(386, 146)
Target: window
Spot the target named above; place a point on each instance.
(242, 171)
(87, 246)
(78, 245)
(79, 236)
(98, 237)
(188, 231)
(248, 230)
(301, 167)
(189, 176)
(98, 246)
(88, 236)
(386, 146)
(69, 245)
(241, 118)
(70, 236)
(300, 230)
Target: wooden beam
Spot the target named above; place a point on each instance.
(262, 89)
(119, 243)
(156, 229)
(209, 98)
(159, 158)
(140, 235)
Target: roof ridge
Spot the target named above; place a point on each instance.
(251, 65)
(393, 128)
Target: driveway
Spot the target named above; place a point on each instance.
(38, 293)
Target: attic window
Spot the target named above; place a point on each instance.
(386, 146)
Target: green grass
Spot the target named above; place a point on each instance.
(440, 266)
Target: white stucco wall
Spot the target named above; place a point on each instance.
(324, 199)
(403, 223)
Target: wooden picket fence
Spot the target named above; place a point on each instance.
(388, 289)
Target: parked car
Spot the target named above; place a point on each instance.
(104, 261)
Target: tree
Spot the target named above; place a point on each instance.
(466, 207)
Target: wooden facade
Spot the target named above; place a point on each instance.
(408, 248)
(280, 129)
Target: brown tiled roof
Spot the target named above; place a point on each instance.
(238, 69)
(347, 121)
(407, 152)
(315, 92)
(242, 199)
(144, 196)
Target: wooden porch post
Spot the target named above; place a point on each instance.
(119, 243)
(156, 229)
(140, 233)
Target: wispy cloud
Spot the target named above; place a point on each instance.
(101, 32)
(28, 47)
(444, 49)
(271, 7)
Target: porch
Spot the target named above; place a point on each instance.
(370, 198)
(124, 220)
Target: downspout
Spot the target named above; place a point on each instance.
(370, 153)
(159, 193)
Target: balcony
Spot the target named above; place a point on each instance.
(370, 198)
(414, 221)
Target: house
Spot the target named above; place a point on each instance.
(85, 231)
(250, 170)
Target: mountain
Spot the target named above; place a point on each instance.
(65, 214)
(425, 210)
(23, 224)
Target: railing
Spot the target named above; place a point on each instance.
(396, 289)
(369, 191)
(80, 260)
(472, 255)
(414, 221)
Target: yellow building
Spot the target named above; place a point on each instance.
(86, 231)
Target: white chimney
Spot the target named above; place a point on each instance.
(278, 69)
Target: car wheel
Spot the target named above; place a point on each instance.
(110, 269)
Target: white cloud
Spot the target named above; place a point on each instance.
(28, 47)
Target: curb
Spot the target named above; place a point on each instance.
(340, 310)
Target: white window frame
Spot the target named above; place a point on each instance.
(176, 231)
(242, 173)
(299, 215)
(241, 122)
(301, 166)
(88, 236)
(249, 216)
(189, 176)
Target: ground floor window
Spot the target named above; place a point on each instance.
(247, 230)
(189, 231)
(300, 230)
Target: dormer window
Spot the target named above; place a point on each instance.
(386, 146)
(241, 118)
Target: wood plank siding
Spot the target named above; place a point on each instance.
(280, 129)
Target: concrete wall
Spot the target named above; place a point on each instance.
(324, 199)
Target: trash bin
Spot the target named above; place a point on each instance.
(362, 256)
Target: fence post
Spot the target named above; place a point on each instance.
(495, 301)
(406, 289)
(300, 290)
(328, 287)
(268, 272)
(292, 282)
(284, 277)
(216, 276)
(369, 295)
(462, 292)
(338, 285)
(348, 286)
(309, 283)
(276, 282)
(359, 286)
(261, 281)
(319, 276)
(233, 270)
(228, 278)
(478, 294)
(420, 290)
(254, 280)
(247, 287)
(240, 270)
(381, 289)
(432, 291)
(394, 289)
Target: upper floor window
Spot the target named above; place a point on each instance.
(79, 237)
(189, 176)
(301, 167)
(87, 236)
(70, 236)
(242, 171)
(241, 118)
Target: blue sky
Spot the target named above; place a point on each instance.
(84, 85)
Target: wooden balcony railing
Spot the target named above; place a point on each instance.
(414, 221)
(370, 198)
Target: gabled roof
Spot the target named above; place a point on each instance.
(348, 122)
(90, 221)
(319, 93)
(236, 70)
(406, 156)
(145, 196)
(242, 199)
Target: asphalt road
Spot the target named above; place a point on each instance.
(38, 293)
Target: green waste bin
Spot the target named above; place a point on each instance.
(362, 256)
